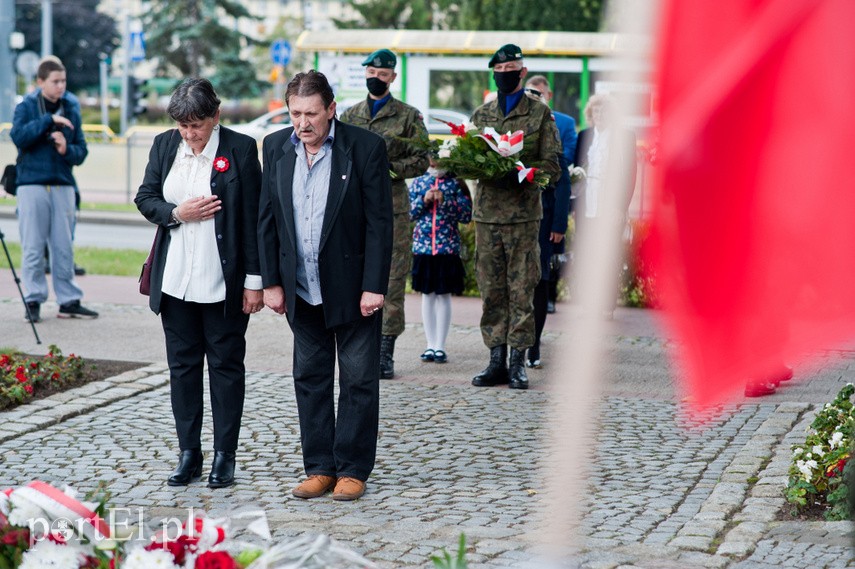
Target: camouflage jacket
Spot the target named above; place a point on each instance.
(394, 122)
(501, 201)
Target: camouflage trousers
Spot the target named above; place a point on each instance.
(402, 259)
(507, 269)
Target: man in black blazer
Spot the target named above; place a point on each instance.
(325, 242)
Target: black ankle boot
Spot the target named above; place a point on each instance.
(496, 372)
(519, 379)
(222, 470)
(189, 468)
(387, 364)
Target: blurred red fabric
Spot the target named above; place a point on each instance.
(753, 226)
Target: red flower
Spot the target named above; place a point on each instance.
(16, 537)
(221, 163)
(456, 129)
(34, 365)
(55, 376)
(21, 374)
(215, 560)
(177, 547)
(4, 360)
(836, 469)
(28, 388)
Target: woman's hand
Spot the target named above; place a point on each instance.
(253, 301)
(199, 209)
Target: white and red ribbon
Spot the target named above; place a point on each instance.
(525, 173)
(57, 504)
(505, 144)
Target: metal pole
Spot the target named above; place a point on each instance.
(47, 28)
(7, 75)
(105, 113)
(126, 71)
(584, 91)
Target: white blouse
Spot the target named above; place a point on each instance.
(193, 271)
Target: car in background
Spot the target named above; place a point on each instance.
(278, 119)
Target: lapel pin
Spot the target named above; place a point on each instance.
(344, 177)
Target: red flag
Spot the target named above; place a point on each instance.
(753, 230)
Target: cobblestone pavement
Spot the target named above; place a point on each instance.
(666, 489)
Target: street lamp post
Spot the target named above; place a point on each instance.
(7, 76)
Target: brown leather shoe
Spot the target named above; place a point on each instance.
(759, 389)
(315, 485)
(348, 488)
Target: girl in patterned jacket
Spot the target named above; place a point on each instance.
(438, 202)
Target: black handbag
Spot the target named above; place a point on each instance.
(9, 179)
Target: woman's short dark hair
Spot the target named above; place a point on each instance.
(193, 99)
(310, 83)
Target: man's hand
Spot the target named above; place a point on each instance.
(253, 301)
(556, 237)
(62, 121)
(199, 209)
(274, 299)
(59, 142)
(370, 303)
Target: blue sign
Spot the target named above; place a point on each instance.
(137, 46)
(280, 52)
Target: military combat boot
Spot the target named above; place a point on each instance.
(518, 380)
(496, 372)
(387, 364)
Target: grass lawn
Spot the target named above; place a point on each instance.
(97, 261)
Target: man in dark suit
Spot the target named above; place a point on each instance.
(325, 241)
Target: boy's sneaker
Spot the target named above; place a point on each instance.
(75, 310)
(34, 312)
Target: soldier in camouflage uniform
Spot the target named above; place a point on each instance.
(393, 120)
(507, 219)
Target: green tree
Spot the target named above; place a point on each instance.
(80, 35)
(199, 38)
(518, 15)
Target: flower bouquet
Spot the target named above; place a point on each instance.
(476, 154)
(42, 527)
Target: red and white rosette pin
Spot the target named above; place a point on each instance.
(221, 163)
(60, 505)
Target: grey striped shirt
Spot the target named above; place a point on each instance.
(309, 192)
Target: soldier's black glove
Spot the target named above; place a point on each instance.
(512, 179)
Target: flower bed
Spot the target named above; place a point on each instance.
(23, 377)
(820, 466)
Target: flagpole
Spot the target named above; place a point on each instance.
(573, 435)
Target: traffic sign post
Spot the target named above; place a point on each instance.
(280, 52)
(137, 46)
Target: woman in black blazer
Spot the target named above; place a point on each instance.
(201, 189)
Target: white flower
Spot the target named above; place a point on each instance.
(806, 469)
(444, 153)
(818, 450)
(22, 511)
(157, 559)
(47, 554)
(836, 440)
(798, 451)
(469, 127)
(808, 456)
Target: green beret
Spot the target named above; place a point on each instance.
(381, 58)
(508, 52)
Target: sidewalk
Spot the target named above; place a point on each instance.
(452, 458)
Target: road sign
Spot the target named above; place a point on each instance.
(280, 52)
(27, 64)
(137, 46)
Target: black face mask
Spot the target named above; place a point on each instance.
(376, 86)
(507, 81)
